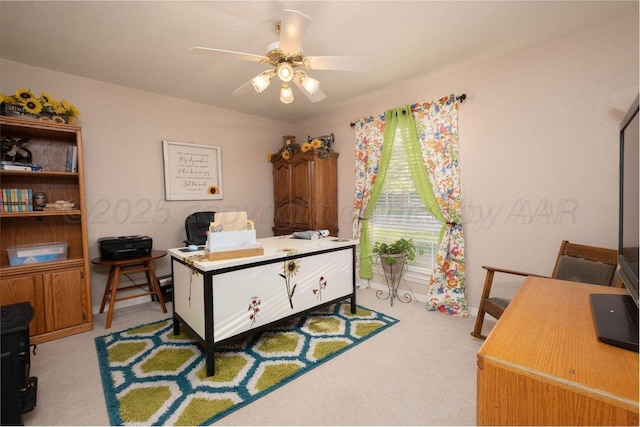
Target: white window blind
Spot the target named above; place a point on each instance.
(400, 213)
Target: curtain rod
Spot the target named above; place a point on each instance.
(460, 98)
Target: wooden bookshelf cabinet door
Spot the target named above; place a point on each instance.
(66, 298)
(26, 288)
(305, 194)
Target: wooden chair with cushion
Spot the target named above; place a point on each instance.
(576, 263)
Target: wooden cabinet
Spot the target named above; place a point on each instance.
(305, 193)
(542, 363)
(59, 291)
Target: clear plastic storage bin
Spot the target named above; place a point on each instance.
(41, 252)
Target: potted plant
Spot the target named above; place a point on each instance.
(393, 255)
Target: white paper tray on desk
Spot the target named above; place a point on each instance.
(230, 239)
(232, 244)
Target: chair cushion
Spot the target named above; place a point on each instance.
(585, 271)
(502, 302)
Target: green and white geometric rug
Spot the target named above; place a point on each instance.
(151, 377)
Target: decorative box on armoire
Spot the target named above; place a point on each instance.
(18, 388)
(305, 189)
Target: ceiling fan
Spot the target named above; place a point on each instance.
(285, 55)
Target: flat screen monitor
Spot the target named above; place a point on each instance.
(616, 316)
(629, 201)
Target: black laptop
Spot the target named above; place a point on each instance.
(616, 320)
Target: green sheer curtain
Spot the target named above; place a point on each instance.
(381, 173)
(416, 165)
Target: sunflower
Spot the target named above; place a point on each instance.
(58, 108)
(316, 143)
(32, 106)
(269, 154)
(58, 119)
(286, 154)
(306, 147)
(49, 104)
(291, 267)
(212, 190)
(73, 110)
(46, 98)
(24, 95)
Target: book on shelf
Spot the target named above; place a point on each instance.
(17, 166)
(16, 200)
(72, 158)
(69, 156)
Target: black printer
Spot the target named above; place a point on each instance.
(125, 247)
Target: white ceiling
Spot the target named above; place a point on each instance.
(144, 44)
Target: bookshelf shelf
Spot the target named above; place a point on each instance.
(39, 174)
(66, 212)
(59, 291)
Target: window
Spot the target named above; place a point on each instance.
(401, 213)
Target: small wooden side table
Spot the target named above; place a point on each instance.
(130, 265)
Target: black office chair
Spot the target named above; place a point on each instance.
(196, 226)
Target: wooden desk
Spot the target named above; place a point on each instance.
(221, 301)
(542, 363)
(130, 265)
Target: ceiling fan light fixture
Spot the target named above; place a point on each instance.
(261, 81)
(309, 84)
(285, 71)
(286, 94)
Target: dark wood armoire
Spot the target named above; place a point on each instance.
(305, 193)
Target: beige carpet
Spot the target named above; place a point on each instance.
(420, 372)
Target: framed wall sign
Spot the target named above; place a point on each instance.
(191, 171)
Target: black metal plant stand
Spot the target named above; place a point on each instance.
(393, 275)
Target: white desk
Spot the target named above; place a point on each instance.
(224, 300)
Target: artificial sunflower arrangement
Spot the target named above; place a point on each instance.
(319, 146)
(286, 152)
(43, 106)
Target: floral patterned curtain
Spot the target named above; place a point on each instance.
(369, 137)
(437, 126)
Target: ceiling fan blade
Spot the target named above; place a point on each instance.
(318, 96)
(244, 89)
(293, 27)
(342, 63)
(229, 54)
